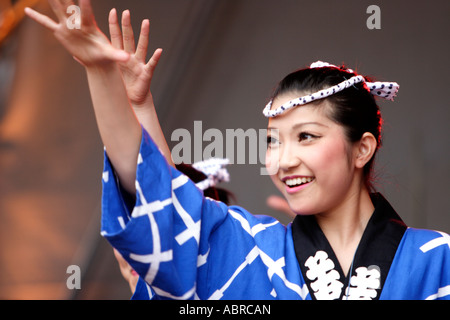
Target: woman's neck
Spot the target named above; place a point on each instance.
(345, 224)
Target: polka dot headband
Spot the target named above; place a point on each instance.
(386, 90)
(215, 171)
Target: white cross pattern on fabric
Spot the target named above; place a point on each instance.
(193, 228)
(156, 205)
(444, 240)
(251, 256)
(321, 269)
(442, 292)
(157, 256)
(166, 294)
(105, 176)
(192, 231)
(274, 267)
(202, 258)
(246, 225)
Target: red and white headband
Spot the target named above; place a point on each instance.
(386, 90)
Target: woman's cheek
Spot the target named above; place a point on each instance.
(272, 161)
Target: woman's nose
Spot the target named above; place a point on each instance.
(288, 158)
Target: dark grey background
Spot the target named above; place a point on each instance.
(221, 60)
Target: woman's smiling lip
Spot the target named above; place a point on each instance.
(296, 183)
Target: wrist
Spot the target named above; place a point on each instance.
(144, 111)
(102, 68)
(145, 104)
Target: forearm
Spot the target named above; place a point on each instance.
(119, 129)
(148, 117)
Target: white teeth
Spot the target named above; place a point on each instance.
(298, 181)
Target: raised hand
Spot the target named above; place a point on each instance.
(87, 44)
(137, 73)
(118, 126)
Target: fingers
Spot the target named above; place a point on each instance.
(153, 62)
(87, 14)
(142, 46)
(58, 9)
(66, 4)
(124, 39)
(41, 19)
(114, 30)
(128, 35)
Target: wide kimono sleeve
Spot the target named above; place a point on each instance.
(160, 237)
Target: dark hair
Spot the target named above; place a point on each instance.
(354, 108)
(215, 193)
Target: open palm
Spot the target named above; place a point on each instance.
(137, 73)
(87, 44)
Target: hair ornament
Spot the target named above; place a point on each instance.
(386, 90)
(215, 171)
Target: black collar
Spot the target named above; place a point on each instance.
(374, 255)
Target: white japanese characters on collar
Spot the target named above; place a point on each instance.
(386, 90)
(215, 171)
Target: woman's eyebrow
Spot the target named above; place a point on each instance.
(301, 124)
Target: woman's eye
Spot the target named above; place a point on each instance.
(272, 142)
(305, 136)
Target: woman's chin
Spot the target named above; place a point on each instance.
(302, 210)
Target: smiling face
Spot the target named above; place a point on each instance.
(310, 159)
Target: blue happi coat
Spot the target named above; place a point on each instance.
(186, 246)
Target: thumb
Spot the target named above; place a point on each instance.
(153, 62)
(117, 55)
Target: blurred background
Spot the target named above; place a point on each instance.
(221, 61)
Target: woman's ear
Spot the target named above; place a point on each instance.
(365, 149)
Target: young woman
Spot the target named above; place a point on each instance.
(346, 242)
